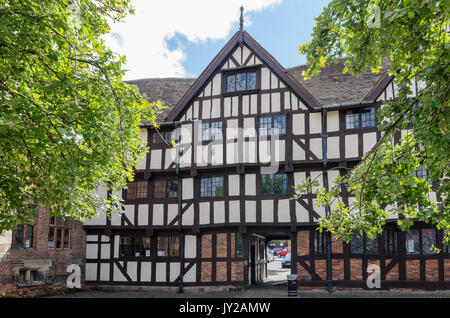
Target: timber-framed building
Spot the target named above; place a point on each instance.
(202, 213)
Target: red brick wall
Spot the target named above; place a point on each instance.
(412, 269)
(40, 251)
(221, 245)
(221, 271)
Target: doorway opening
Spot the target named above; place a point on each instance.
(278, 261)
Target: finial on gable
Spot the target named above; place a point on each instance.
(241, 20)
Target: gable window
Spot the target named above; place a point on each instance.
(211, 131)
(274, 184)
(360, 118)
(272, 125)
(134, 246)
(211, 187)
(137, 190)
(166, 189)
(168, 246)
(242, 81)
(59, 232)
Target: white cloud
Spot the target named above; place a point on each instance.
(142, 36)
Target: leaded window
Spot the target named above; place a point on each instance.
(211, 131)
(412, 242)
(239, 246)
(211, 187)
(390, 242)
(368, 118)
(351, 119)
(160, 189)
(137, 190)
(168, 246)
(272, 125)
(59, 232)
(274, 184)
(422, 173)
(242, 81)
(356, 244)
(371, 245)
(428, 241)
(164, 136)
(360, 118)
(131, 246)
(172, 188)
(319, 243)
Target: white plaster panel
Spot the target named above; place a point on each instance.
(219, 212)
(233, 184)
(267, 211)
(92, 251)
(249, 151)
(206, 109)
(276, 102)
(204, 212)
(284, 214)
(299, 177)
(245, 104)
(143, 214)
(105, 252)
(158, 214)
(91, 271)
(298, 124)
(188, 188)
(265, 103)
(215, 110)
(155, 159)
(333, 148)
(235, 104)
(265, 78)
(146, 271)
(250, 211)
(315, 123)
(190, 247)
(217, 84)
(160, 272)
(351, 146)
(234, 212)
(104, 271)
(301, 213)
(250, 184)
(333, 121)
(253, 104)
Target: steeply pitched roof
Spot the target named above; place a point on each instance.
(327, 88)
(331, 86)
(167, 90)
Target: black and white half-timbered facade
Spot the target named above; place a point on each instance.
(249, 131)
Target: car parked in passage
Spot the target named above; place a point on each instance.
(286, 262)
(283, 252)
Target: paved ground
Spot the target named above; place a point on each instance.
(275, 286)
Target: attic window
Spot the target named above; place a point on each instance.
(242, 81)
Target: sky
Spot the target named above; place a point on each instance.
(179, 38)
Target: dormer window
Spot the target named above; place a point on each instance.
(241, 81)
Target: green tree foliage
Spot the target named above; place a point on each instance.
(414, 34)
(68, 124)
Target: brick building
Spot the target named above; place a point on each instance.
(249, 130)
(34, 257)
